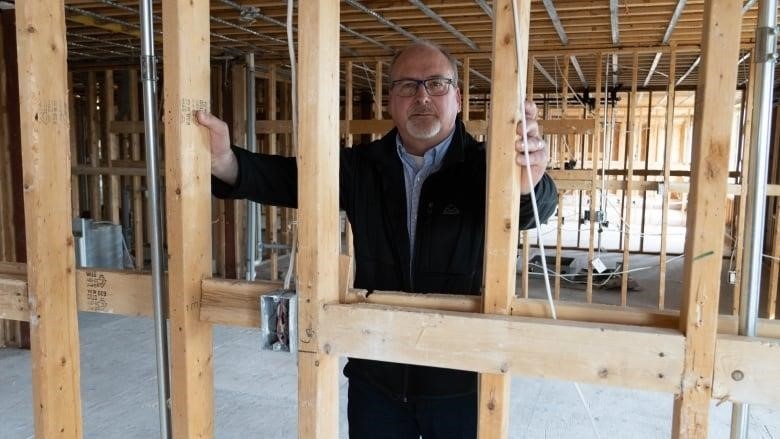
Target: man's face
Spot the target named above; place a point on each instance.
(423, 120)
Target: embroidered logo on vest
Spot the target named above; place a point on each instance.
(451, 209)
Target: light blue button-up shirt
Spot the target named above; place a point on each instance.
(416, 170)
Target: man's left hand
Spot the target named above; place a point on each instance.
(538, 155)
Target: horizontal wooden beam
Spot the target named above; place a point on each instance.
(13, 268)
(106, 170)
(106, 291)
(235, 302)
(569, 126)
(614, 355)
(737, 379)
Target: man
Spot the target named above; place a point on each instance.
(416, 203)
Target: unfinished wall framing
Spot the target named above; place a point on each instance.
(628, 150)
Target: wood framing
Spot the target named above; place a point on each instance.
(668, 139)
(705, 223)
(237, 214)
(272, 224)
(631, 146)
(93, 145)
(599, 135)
(188, 208)
(43, 95)
(111, 149)
(693, 354)
(318, 217)
(503, 199)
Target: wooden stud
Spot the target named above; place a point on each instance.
(773, 287)
(631, 146)
(273, 211)
(74, 180)
(108, 107)
(378, 96)
(188, 203)
(503, 199)
(238, 134)
(705, 223)
(562, 158)
(218, 205)
(40, 30)
(19, 332)
(644, 178)
(95, 203)
(599, 134)
(349, 251)
(6, 200)
(668, 145)
(6, 196)
(318, 216)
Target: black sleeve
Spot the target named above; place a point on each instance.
(263, 178)
(546, 200)
(273, 179)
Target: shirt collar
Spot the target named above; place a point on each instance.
(433, 156)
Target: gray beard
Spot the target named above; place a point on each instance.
(423, 130)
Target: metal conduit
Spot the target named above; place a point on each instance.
(755, 213)
(149, 81)
(251, 145)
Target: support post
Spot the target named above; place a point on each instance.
(503, 198)
(668, 145)
(318, 216)
(45, 137)
(188, 201)
(705, 224)
(628, 194)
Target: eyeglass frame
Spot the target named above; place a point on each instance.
(419, 82)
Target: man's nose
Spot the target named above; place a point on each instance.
(422, 93)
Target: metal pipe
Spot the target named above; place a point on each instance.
(755, 213)
(149, 81)
(251, 145)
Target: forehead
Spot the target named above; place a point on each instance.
(421, 62)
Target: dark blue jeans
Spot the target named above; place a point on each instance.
(373, 415)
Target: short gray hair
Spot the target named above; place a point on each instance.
(425, 43)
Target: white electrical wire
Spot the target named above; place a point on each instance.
(521, 94)
(294, 99)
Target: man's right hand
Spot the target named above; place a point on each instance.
(224, 164)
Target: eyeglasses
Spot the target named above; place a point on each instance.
(434, 86)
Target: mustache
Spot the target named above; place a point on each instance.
(422, 109)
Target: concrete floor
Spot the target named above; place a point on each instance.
(256, 393)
